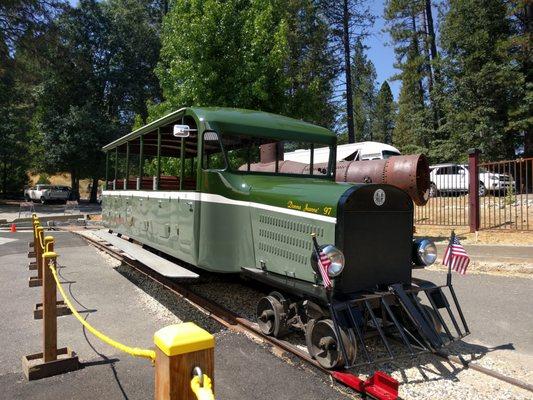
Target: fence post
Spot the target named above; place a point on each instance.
(473, 189)
(38, 230)
(49, 304)
(35, 281)
(179, 349)
(47, 363)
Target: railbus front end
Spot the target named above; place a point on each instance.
(209, 186)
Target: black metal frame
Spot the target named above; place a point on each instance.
(361, 315)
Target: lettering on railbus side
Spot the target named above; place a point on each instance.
(294, 206)
(308, 208)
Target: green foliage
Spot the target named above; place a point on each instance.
(15, 117)
(484, 88)
(267, 55)
(364, 93)
(414, 129)
(98, 77)
(385, 115)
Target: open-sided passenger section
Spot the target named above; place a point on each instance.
(154, 160)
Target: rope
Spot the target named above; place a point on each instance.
(134, 351)
(204, 392)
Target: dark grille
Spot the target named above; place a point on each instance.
(376, 241)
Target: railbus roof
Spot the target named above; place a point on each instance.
(235, 121)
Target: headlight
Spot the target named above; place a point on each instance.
(335, 257)
(425, 252)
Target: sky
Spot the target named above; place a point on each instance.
(381, 54)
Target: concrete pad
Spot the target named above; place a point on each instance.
(109, 299)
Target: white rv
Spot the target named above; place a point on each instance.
(349, 152)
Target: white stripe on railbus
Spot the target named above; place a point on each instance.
(215, 198)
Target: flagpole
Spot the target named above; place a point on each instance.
(449, 275)
(316, 249)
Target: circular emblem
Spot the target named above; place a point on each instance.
(379, 197)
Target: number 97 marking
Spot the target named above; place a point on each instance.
(327, 210)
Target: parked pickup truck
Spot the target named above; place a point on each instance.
(453, 179)
(47, 193)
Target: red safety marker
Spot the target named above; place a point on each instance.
(13, 228)
(380, 385)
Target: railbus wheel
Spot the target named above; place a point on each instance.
(271, 316)
(434, 320)
(323, 344)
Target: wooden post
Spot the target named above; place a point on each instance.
(127, 177)
(179, 349)
(36, 281)
(49, 304)
(39, 250)
(52, 361)
(106, 186)
(473, 189)
(141, 163)
(158, 165)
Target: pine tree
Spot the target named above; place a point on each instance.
(414, 127)
(349, 20)
(364, 92)
(484, 86)
(383, 126)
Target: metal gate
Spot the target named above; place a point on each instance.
(503, 197)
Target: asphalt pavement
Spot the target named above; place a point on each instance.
(497, 308)
(122, 310)
(495, 252)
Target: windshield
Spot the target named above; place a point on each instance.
(262, 155)
(389, 153)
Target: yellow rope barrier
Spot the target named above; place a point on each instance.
(134, 351)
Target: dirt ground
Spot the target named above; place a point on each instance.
(511, 212)
(495, 236)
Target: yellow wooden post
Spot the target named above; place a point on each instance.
(179, 349)
(49, 304)
(39, 250)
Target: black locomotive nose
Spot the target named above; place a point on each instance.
(375, 231)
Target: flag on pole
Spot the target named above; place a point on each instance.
(323, 263)
(455, 256)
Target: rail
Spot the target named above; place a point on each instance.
(180, 350)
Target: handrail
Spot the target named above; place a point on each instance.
(134, 351)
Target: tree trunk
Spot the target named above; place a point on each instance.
(94, 191)
(4, 178)
(74, 183)
(348, 72)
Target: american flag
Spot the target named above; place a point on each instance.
(323, 263)
(455, 256)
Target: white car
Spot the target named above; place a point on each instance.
(47, 193)
(346, 152)
(453, 179)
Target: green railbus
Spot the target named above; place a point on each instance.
(191, 185)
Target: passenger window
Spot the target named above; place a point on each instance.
(212, 156)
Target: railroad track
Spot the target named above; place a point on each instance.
(239, 324)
